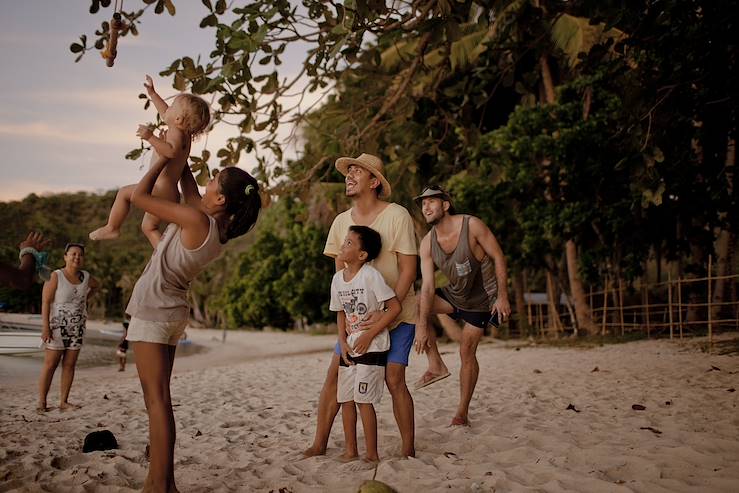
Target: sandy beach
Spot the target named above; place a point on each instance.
(245, 410)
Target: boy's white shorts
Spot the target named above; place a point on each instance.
(360, 383)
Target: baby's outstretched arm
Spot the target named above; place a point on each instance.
(167, 147)
(159, 103)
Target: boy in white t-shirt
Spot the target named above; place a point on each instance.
(356, 291)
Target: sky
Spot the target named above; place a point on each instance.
(65, 126)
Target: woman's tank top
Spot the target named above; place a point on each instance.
(160, 294)
(69, 308)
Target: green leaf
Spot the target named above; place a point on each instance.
(211, 20)
(271, 85)
(204, 176)
(230, 69)
(135, 154)
(179, 82)
(259, 36)
(170, 7)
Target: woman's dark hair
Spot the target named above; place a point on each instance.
(71, 245)
(242, 200)
(370, 239)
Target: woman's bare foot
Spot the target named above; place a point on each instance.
(348, 457)
(105, 233)
(313, 451)
(460, 421)
(66, 406)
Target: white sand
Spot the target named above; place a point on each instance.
(245, 411)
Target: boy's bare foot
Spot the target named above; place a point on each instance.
(66, 406)
(459, 421)
(313, 451)
(42, 408)
(105, 233)
(347, 457)
(371, 459)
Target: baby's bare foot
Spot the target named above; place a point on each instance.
(105, 233)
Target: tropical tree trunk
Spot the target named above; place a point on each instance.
(197, 313)
(725, 240)
(554, 323)
(582, 309)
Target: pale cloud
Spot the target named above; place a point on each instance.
(46, 132)
(101, 100)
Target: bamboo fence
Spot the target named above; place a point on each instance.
(676, 308)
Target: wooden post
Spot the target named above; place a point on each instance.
(540, 316)
(669, 298)
(621, 304)
(590, 302)
(646, 307)
(710, 325)
(605, 307)
(680, 305)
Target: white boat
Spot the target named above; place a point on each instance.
(18, 339)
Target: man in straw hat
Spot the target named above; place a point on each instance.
(366, 186)
(461, 246)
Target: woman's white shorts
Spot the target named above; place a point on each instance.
(157, 332)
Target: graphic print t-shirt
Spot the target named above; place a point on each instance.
(364, 294)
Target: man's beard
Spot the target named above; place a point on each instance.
(437, 219)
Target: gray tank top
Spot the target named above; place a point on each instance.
(472, 284)
(160, 294)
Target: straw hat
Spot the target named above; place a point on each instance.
(371, 163)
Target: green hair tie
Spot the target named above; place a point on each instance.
(248, 189)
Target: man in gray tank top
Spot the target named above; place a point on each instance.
(464, 249)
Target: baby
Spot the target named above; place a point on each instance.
(187, 117)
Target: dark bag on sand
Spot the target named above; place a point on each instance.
(99, 440)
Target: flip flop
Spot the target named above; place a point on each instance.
(423, 381)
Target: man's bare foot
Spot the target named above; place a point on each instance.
(105, 233)
(348, 457)
(459, 421)
(313, 451)
(66, 406)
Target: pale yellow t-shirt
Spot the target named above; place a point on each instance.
(395, 226)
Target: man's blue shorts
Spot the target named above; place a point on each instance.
(401, 341)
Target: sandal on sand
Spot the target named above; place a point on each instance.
(428, 378)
